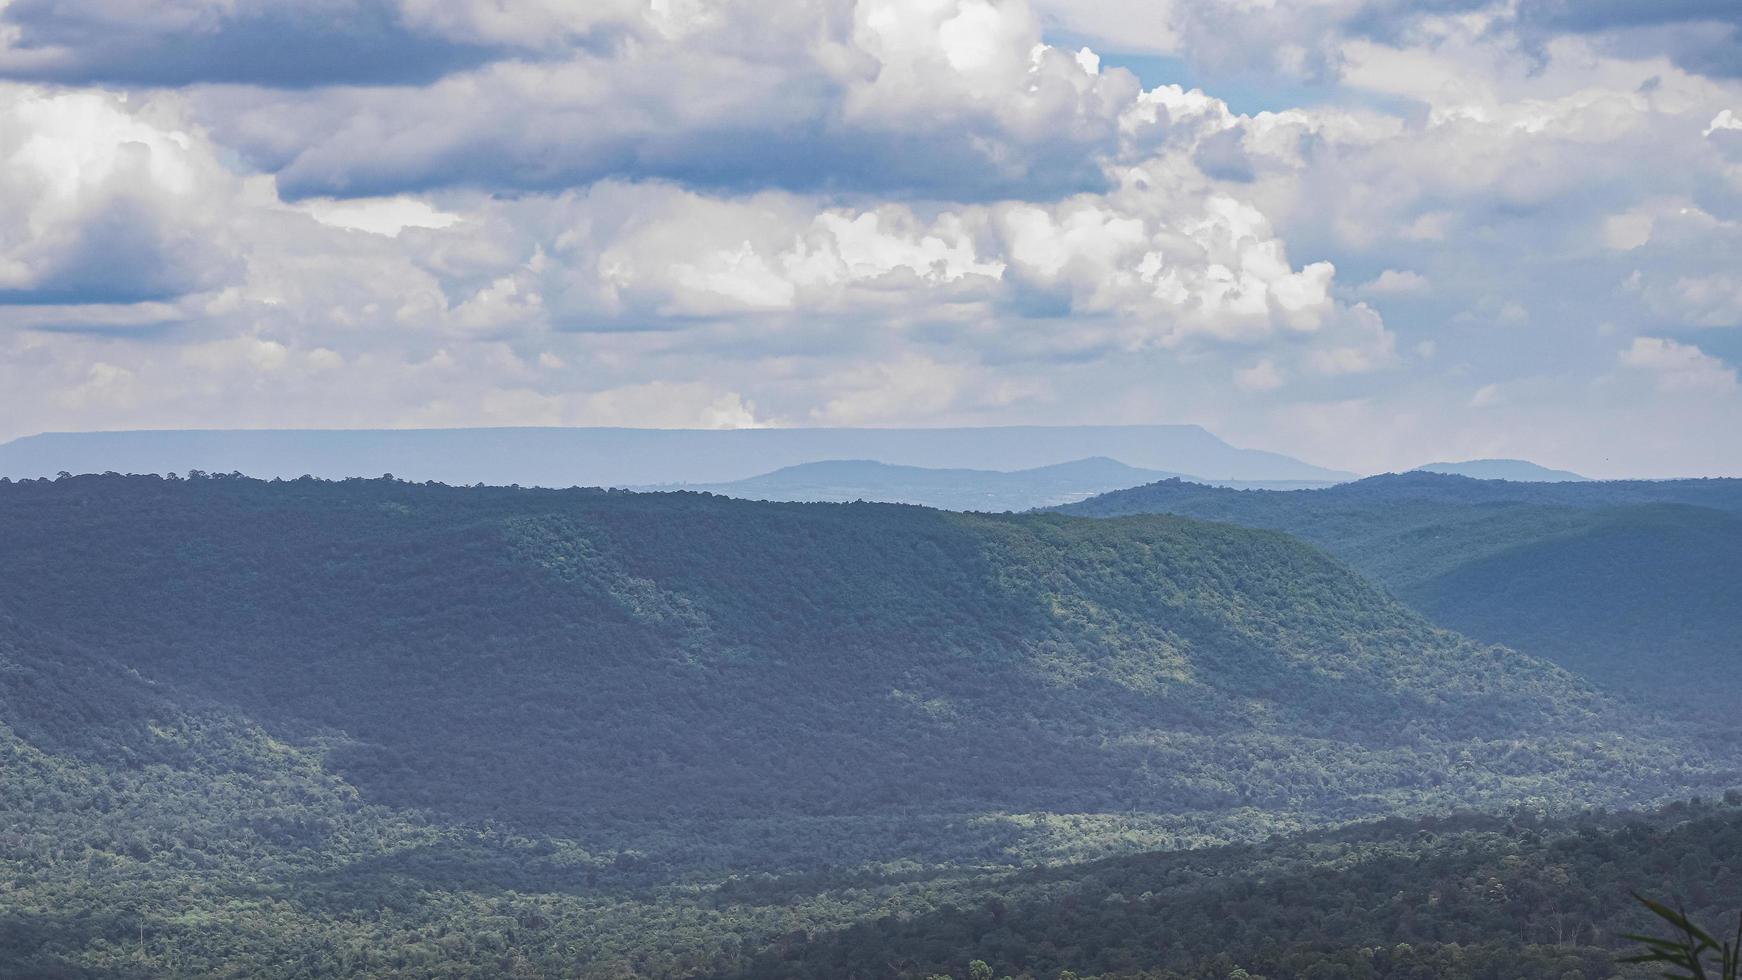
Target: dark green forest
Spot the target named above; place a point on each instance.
(315, 728)
(1635, 585)
(1460, 896)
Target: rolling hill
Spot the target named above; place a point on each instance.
(1634, 584)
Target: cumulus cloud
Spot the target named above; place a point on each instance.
(1151, 264)
(1678, 367)
(105, 204)
(1725, 120)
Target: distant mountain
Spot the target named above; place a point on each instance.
(842, 481)
(1635, 584)
(1520, 470)
(562, 457)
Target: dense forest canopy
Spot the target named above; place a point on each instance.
(1635, 585)
(309, 728)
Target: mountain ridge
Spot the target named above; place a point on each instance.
(1519, 470)
(1171, 625)
(844, 481)
(604, 456)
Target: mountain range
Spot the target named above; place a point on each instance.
(606, 457)
(842, 481)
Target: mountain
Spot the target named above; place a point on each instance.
(369, 727)
(843, 481)
(1520, 470)
(1004, 663)
(562, 457)
(1634, 584)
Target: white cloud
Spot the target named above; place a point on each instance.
(1678, 368)
(1708, 301)
(892, 390)
(1262, 376)
(1488, 396)
(660, 404)
(1393, 282)
(1359, 344)
(105, 201)
(380, 216)
(1726, 119)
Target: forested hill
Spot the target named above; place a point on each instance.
(1408, 489)
(330, 729)
(1635, 584)
(565, 656)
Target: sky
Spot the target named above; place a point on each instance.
(1369, 233)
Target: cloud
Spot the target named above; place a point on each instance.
(1706, 301)
(1677, 367)
(1262, 376)
(260, 42)
(1683, 271)
(1308, 41)
(1488, 396)
(1702, 36)
(1394, 282)
(104, 203)
(879, 392)
(1149, 264)
(956, 98)
(379, 216)
(1360, 345)
(1725, 119)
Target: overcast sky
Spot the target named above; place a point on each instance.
(1369, 233)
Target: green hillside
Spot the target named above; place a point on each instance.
(1635, 585)
(317, 729)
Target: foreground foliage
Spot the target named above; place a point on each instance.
(1688, 947)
